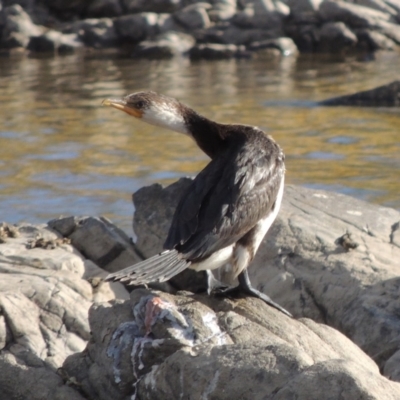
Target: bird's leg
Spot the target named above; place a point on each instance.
(213, 284)
(245, 287)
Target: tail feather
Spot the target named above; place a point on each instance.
(158, 268)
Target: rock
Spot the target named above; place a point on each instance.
(216, 51)
(136, 27)
(222, 10)
(305, 36)
(353, 15)
(165, 45)
(98, 240)
(44, 307)
(94, 32)
(157, 6)
(262, 14)
(246, 36)
(392, 367)
(301, 7)
(310, 275)
(336, 37)
(194, 16)
(382, 96)
(392, 31)
(371, 41)
(379, 5)
(104, 8)
(157, 205)
(66, 10)
(284, 46)
(156, 345)
(54, 41)
(17, 27)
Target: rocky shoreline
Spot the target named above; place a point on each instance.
(210, 30)
(329, 259)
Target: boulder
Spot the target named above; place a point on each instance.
(98, 240)
(283, 46)
(371, 41)
(44, 305)
(54, 41)
(353, 15)
(158, 6)
(336, 37)
(379, 5)
(194, 16)
(382, 96)
(104, 8)
(17, 27)
(222, 10)
(94, 32)
(66, 10)
(262, 14)
(134, 28)
(165, 45)
(160, 346)
(216, 51)
(313, 272)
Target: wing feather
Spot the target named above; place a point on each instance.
(226, 200)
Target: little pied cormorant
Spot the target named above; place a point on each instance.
(228, 208)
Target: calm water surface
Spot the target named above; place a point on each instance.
(62, 153)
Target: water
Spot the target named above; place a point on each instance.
(62, 153)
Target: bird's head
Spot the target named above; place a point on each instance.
(153, 108)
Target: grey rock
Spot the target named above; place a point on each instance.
(157, 205)
(216, 51)
(239, 36)
(392, 367)
(284, 46)
(262, 14)
(222, 10)
(379, 5)
(158, 6)
(305, 36)
(165, 45)
(167, 23)
(44, 314)
(99, 241)
(392, 31)
(382, 96)
(156, 345)
(371, 41)
(353, 15)
(311, 275)
(66, 10)
(336, 37)
(104, 8)
(54, 41)
(17, 27)
(194, 16)
(303, 6)
(137, 27)
(94, 32)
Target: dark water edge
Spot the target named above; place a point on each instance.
(62, 153)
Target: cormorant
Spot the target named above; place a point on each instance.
(230, 205)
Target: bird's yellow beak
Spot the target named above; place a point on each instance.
(122, 104)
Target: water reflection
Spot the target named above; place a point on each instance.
(62, 153)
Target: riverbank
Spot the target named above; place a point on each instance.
(331, 260)
(210, 30)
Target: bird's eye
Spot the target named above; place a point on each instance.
(139, 104)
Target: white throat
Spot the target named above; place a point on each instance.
(166, 116)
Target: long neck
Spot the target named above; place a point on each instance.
(209, 135)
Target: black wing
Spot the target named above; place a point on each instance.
(226, 199)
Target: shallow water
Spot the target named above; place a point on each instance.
(62, 153)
